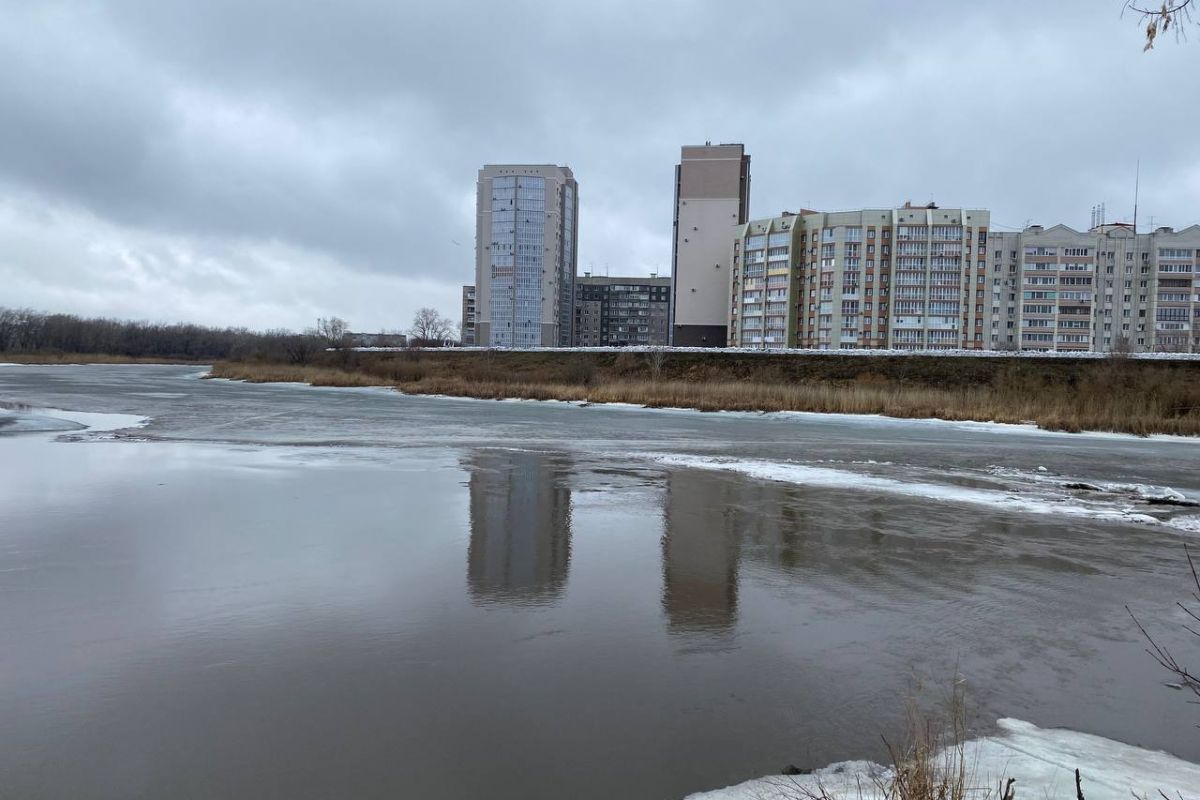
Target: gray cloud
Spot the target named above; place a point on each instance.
(261, 163)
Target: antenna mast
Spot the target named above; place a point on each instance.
(1137, 176)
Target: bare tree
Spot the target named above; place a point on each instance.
(1169, 16)
(654, 360)
(429, 328)
(299, 348)
(1187, 679)
(333, 330)
(1121, 348)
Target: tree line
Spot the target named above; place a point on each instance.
(23, 331)
(30, 332)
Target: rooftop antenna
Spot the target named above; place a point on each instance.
(1137, 176)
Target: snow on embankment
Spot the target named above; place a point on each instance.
(1043, 762)
(798, 351)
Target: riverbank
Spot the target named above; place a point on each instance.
(1118, 395)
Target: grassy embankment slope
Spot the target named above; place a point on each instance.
(1125, 395)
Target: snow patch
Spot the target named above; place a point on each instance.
(1043, 762)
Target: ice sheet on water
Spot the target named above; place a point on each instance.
(1148, 493)
(23, 419)
(1033, 498)
(1190, 523)
(1043, 762)
(12, 421)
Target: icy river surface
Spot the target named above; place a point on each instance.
(215, 589)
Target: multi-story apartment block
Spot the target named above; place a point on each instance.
(906, 278)
(468, 316)
(1102, 289)
(765, 280)
(712, 196)
(526, 242)
(617, 312)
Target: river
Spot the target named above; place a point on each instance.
(229, 590)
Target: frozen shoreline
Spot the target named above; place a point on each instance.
(1043, 762)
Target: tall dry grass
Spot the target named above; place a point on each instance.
(1103, 396)
(929, 761)
(294, 373)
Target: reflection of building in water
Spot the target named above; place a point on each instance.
(700, 551)
(520, 546)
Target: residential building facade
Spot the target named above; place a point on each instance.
(526, 246)
(468, 316)
(619, 312)
(712, 197)
(1107, 288)
(764, 281)
(910, 278)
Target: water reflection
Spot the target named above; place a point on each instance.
(520, 549)
(700, 549)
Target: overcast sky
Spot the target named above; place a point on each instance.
(263, 163)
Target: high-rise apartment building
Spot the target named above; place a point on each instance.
(526, 243)
(765, 282)
(1103, 289)
(467, 334)
(905, 278)
(712, 196)
(618, 312)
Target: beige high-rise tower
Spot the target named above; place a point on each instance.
(712, 197)
(526, 241)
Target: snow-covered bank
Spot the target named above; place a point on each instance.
(1043, 762)
(795, 351)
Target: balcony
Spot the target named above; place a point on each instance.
(941, 325)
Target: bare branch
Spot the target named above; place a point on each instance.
(1165, 659)
(1159, 20)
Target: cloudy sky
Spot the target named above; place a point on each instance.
(262, 163)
